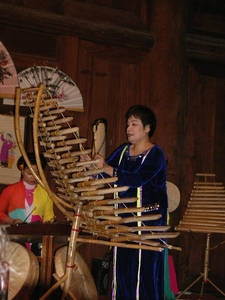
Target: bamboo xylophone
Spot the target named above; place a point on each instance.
(59, 141)
(83, 195)
(206, 207)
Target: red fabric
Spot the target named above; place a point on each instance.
(173, 277)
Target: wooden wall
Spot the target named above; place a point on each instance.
(160, 53)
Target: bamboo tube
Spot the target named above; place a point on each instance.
(31, 90)
(206, 222)
(62, 161)
(102, 208)
(72, 170)
(99, 181)
(123, 245)
(51, 155)
(65, 183)
(149, 242)
(133, 219)
(72, 251)
(200, 229)
(60, 121)
(48, 118)
(209, 187)
(112, 201)
(83, 151)
(206, 201)
(56, 138)
(207, 194)
(90, 198)
(70, 293)
(129, 237)
(72, 142)
(200, 212)
(65, 131)
(67, 154)
(54, 111)
(87, 188)
(62, 176)
(205, 206)
(107, 217)
(50, 100)
(165, 235)
(106, 191)
(44, 134)
(205, 175)
(205, 210)
(72, 180)
(95, 198)
(120, 211)
(150, 228)
(59, 149)
(56, 166)
(121, 229)
(55, 286)
(126, 238)
(56, 127)
(89, 162)
(198, 184)
(204, 217)
(48, 145)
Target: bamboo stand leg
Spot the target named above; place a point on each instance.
(205, 273)
(71, 252)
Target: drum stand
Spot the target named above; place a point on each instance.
(203, 275)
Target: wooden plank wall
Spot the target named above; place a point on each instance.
(115, 73)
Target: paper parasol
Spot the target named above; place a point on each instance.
(59, 85)
(8, 74)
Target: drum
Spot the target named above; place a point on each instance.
(23, 271)
(173, 194)
(99, 129)
(82, 284)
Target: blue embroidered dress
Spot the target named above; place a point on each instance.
(139, 274)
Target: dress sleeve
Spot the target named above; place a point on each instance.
(3, 205)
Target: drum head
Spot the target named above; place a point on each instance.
(23, 271)
(173, 194)
(82, 284)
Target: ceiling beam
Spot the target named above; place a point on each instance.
(113, 33)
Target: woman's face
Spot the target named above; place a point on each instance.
(28, 177)
(135, 130)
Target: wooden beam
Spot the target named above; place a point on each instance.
(113, 33)
(206, 48)
(206, 54)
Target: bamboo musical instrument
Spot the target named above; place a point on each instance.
(204, 214)
(81, 191)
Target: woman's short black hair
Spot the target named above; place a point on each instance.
(21, 163)
(145, 114)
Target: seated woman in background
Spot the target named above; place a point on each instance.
(26, 201)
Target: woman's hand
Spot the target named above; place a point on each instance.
(102, 164)
(12, 221)
(101, 161)
(86, 157)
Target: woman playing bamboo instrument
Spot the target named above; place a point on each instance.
(139, 164)
(26, 201)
